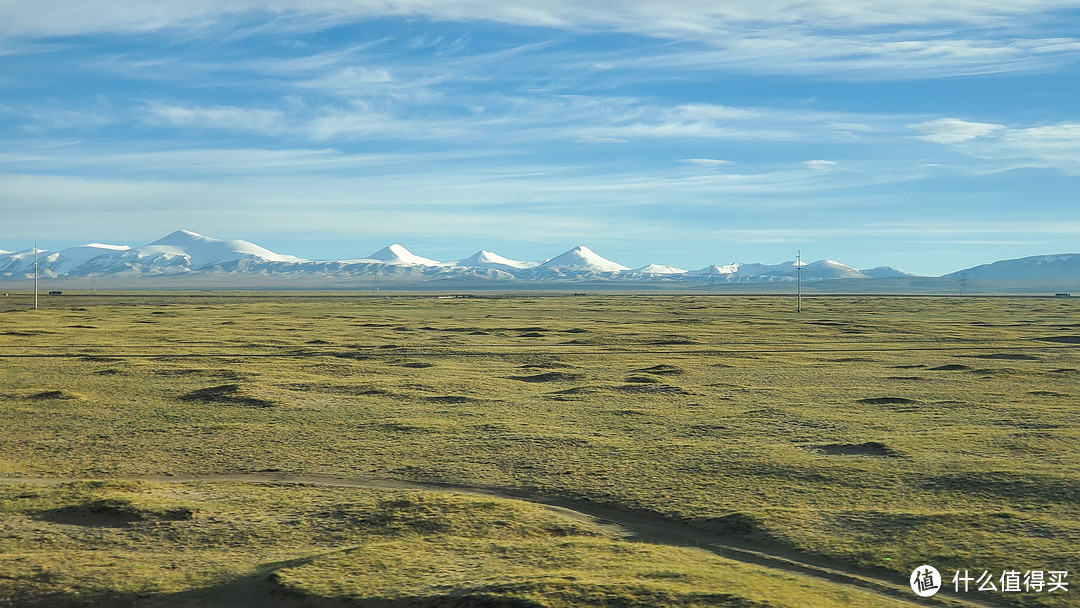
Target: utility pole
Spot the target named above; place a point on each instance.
(35, 276)
(798, 271)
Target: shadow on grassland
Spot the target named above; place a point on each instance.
(264, 590)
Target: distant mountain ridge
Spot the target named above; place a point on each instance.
(1058, 266)
(186, 253)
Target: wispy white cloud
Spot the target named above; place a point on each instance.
(676, 17)
(592, 139)
(210, 164)
(707, 162)
(874, 38)
(1045, 146)
(954, 130)
(903, 54)
(704, 121)
(362, 122)
(229, 118)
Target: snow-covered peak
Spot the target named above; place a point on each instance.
(831, 269)
(658, 269)
(180, 238)
(203, 250)
(583, 258)
(397, 255)
(487, 259)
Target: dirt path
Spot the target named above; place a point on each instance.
(633, 525)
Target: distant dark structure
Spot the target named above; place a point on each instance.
(1062, 295)
(55, 292)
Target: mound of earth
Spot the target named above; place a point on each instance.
(869, 448)
(886, 400)
(55, 394)
(548, 377)
(451, 399)
(662, 370)
(1060, 339)
(110, 513)
(652, 389)
(639, 379)
(229, 394)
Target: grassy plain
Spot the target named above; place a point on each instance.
(869, 434)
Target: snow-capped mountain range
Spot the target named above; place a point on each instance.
(185, 253)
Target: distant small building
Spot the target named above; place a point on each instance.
(55, 292)
(1062, 295)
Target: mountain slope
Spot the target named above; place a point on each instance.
(883, 272)
(1058, 266)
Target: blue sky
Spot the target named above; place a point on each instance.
(924, 135)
